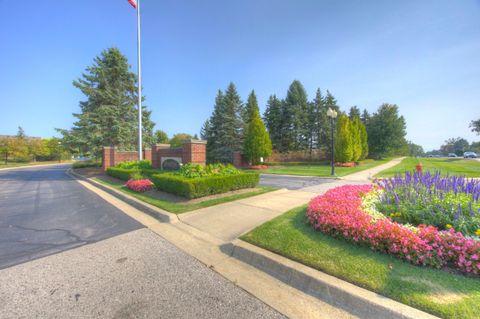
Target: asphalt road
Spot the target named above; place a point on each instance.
(43, 211)
(133, 274)
(292, 182)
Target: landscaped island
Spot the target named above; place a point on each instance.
(414, 238)
(192, 187)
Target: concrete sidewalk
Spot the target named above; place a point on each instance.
(367, 175)
(230, 220)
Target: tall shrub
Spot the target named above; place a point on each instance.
(356, 138)
(343, 141)
(364, 141)
(257, 142)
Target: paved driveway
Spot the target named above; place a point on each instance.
(43, 211)
(292, 182)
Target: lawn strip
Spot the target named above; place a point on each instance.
(321, 170)
(450, 166)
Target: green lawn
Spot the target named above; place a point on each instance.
(179, 208)
(451, 166)
(321, 170)
(438, 292)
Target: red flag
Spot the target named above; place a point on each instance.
(133, 3)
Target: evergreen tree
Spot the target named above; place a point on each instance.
(109, 116)
(225, 133)
(161, 137)
(329, 102)
(386, 131)
(21, 133)
(354, 112)
(205, 130)
(257, 143)
(365, 117)
(355, 130)
(295, 117)
(343, 140)
(273, 121)
(364, 141)
(251, 107)
(321, 120)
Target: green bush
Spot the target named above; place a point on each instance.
(193, 171)
(145, 164)
(83, 164)
(123, 173)
(203, 186)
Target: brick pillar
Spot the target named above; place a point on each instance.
(155, 154)
(147, 154)
(108, 157)
(194, 151)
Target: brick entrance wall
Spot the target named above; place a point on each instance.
(192, 151)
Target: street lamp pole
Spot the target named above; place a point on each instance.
(332, 114)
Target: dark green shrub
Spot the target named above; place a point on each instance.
(203, 186)
(122, 173)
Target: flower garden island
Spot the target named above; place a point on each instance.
(425, 219)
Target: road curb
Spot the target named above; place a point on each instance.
(155, 212)
(353, 299)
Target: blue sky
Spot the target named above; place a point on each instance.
(422, 55)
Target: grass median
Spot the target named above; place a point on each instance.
(450, 166)
(179, 208)
(322, 170)
(435, 291)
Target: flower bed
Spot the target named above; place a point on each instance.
(342, 212)
(139, 185)
(350, 164)
(444, 202)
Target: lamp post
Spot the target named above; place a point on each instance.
(332, 114)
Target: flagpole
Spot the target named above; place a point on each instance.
(139, 65)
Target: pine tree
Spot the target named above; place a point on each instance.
(321, 120)
(109, 116)
(205, 130)
(354, 112)
(225, 134)
(295, 117)
(343, 140)
(365, 117)
(386, 131)
(329, 102)
(257, 143)
(273, 121)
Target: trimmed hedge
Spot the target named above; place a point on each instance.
(122, 173)
(203, 186)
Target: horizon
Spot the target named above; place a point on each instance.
(421, 56)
